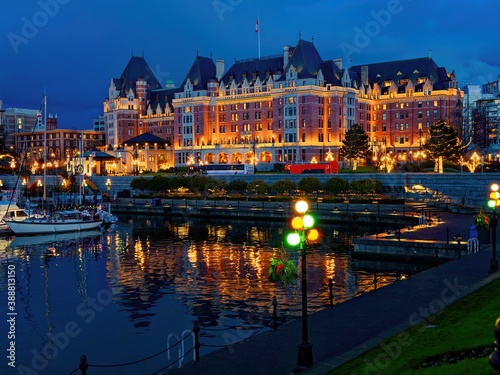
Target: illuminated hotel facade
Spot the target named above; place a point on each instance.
(291, 107)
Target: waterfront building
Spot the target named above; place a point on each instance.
(290, 107)
(62, 145)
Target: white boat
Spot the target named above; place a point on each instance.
(9, 210)
(58, 222)
(107, 216)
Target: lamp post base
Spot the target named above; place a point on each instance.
(494, 265)
(305, 358)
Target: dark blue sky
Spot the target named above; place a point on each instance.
(72, 48)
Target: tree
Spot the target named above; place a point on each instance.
(355, 145)
(444, 143)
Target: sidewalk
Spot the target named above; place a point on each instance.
(355, 326)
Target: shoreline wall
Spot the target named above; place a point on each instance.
(470, 189)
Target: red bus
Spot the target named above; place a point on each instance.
(323, 167)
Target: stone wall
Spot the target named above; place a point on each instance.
(471, 189)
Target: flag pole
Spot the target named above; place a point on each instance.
(257, 28)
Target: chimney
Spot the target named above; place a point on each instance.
(219, 68)
(364, 75)
(338, 62)
(286, 55)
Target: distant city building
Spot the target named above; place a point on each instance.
(492, 87)
(472, 93)
(294, 106)
(99, 125)
(486, 119)
(17, 120)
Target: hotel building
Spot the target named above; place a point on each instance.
(291, 107)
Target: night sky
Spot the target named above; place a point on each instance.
(72, 48)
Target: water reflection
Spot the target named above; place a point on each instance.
(152, 278)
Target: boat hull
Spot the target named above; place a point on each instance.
(34, 226)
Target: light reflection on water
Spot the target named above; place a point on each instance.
(126, 294)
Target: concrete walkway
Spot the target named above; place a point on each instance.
(355, 326)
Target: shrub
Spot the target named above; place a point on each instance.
(237, 185)
(283, 186)
(336, 185)
(258, 187)
(309, 185)
(369, 186)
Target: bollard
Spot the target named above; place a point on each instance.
(375, 280)
(458, 237)
(83, 364)
(197, 345)
(275, 314)
(495, 356)
(330, 287)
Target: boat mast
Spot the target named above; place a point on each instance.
(45, 153)
(82, 188)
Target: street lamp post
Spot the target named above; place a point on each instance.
(303, 231)
(108, 185)
(136, 162)
(493, 203)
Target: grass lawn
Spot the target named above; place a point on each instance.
(456, 340)
(359, 169)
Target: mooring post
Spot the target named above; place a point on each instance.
(275, 314)
(330, 287)
(196, 331)
(83, 364)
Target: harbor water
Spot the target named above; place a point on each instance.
(124, 298)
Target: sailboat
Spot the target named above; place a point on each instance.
(58, 221)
